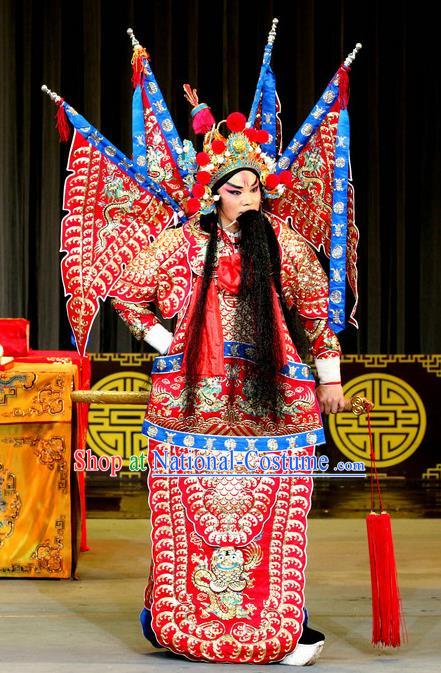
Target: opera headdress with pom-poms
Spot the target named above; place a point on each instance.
(117, 206)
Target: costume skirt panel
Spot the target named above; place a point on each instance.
(229, 556)
(229, 502)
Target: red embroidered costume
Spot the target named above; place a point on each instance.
(259, 520)
(167, 273)
(228, 528)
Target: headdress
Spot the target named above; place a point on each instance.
(222, 154)
(117, 206)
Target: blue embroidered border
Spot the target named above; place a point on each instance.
(260, 83)
(164, 364)
(337, 267)
(163, 116)
(268, 122)
(309, 126)
(193, 440)
(138, 132)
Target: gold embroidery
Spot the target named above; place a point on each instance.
(281, 616)
(10, 504)
(233, 509)
(49, 400)
(225, 580)
(50, 452)
(48, 556)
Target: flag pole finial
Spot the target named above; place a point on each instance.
(352, 56)
(55, 97)
(272, 33)
(131, 34)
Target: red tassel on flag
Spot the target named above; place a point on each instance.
(387, 615)
(62, 122)
(139, 54)
(145, 100)
(343, 87)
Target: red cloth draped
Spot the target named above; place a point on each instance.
(211, 359)
(229, 269)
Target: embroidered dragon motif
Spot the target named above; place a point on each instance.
(225, 580)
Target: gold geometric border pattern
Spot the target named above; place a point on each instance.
(124, 359)
(115, 429)
(431, 363)
(398, 421)
(432, 472)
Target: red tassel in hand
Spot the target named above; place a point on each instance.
(203, 120)
(63, 125)
(386, 603)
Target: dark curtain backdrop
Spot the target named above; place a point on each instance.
(81, 50)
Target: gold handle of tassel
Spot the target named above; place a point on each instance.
(110, 397)
(358, 405)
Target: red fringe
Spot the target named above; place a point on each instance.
(138, 67)
(62, 122)
(145, 100)
(343, 86)
(386, 603)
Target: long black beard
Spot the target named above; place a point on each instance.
(260, 270)
(256, 297)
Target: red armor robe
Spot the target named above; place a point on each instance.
(229, 551)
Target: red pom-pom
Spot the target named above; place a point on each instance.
(193, 205)
(285, 178)
(262, 137)
(198, 190)
(203, 177)
(272, 181)
(218, 146)
(251, 134)
(236, 121)
(203, 121)
(202, 158)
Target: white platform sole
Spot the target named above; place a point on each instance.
(304, 655)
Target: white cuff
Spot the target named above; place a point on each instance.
(159, 338)
(328, 370)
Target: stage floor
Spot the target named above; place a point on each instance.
(91, 626)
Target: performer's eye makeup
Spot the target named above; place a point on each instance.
(238, 190)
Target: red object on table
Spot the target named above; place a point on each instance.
(14, 336)
(84, 373)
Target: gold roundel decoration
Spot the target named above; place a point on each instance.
(115, 429)
(398, 421)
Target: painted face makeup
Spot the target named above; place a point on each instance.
(239, 194)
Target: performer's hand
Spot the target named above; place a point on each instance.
(331, 398)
